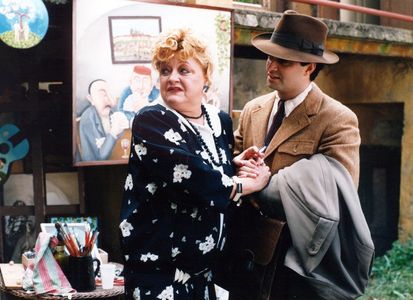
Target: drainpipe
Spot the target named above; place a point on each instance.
(361, 9)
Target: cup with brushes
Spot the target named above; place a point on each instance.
(82, 267)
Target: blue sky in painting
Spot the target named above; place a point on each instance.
(38, 24)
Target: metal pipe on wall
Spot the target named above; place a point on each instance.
(361, 9)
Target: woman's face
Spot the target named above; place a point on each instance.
(181, 84)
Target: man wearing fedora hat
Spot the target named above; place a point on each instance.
(295, 121)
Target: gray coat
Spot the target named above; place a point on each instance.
(331, 242)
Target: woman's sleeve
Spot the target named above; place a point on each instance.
(161, 144)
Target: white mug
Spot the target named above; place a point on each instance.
(107, 274)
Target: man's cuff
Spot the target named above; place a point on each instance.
(269, 200)
(271, 191)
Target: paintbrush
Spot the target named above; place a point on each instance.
(65, 238)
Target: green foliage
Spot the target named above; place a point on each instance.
(223, 34)
(392, 274)
(8, 38)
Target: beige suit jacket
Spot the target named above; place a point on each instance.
(319, 124)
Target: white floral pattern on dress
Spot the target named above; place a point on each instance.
(227, 181)
(181, 171)
(175, 252)
(208, 245)
(151, 187)
(129, 182)
(206, 294)
(149, 256)
(167, 294)
(182, 126)
(140, 150)
(173, 136)
(126, 228)
(194, 212)
(205, 156)
(223, 154)
(208, 276)
(137, 294)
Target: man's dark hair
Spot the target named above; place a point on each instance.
(90, 84)
(318, 68)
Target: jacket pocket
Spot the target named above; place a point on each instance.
(321, 232)
(297, 147)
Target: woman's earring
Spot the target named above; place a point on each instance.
(205, 88)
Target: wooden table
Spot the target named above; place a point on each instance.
(98, 293)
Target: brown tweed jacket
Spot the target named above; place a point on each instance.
(319, 124)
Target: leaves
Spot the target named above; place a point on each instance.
(223, 34)
(392, 274)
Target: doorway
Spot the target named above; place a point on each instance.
(381, 130)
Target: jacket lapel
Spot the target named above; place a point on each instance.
(259, 119)
(297, 120)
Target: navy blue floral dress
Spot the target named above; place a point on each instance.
(172, 222)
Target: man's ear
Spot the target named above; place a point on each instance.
(310, 68)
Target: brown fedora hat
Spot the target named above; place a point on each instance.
(297, 37)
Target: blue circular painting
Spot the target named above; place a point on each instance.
(23, 23)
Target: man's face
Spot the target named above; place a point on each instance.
(289, 78)
(141, 84)
(100, 98)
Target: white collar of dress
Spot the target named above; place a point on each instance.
(211, 110)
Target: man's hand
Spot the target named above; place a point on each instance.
(257, 183)
(119, 122)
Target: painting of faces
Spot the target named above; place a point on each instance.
(113, 77)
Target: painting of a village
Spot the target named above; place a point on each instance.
(132, 38)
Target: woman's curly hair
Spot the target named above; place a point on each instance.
(182, 44)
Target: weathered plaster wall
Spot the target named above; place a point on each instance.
(360, 78)
(249, 80)
(366, 79)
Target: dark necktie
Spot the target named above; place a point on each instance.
(276, 122)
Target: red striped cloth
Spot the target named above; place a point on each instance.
(47, 274)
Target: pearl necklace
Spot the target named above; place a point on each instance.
(204, 145)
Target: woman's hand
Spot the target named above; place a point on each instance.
(246, 162)
(255, 184)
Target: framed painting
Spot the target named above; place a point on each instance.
(78, 229)
(91, 220)
(112, 48)
(131, 38)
